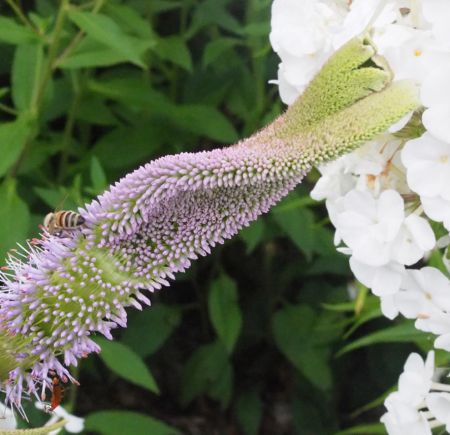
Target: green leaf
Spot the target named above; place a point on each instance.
(253, 234)
(90, 53)
(298, 225)
(175, 50)
(26, 76)
(126, 422)
(224, 311)
(217, 48)
(14, 217)
(13, 33)
(203, 371)
(249, 411)
(13, 137)
(98, 177)
(127, 146)
(127, 364)
(364, 429)
(130, 21)
(296, 335)
(149, 330)
(403, 333)
(106, 31)
(56, 199)
(205, 121)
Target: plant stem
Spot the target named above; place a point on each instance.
(20, 15)
(68, 128)
(52, 51)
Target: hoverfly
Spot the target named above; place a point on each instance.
(62, 220)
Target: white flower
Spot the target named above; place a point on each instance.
(437, 12)
(439, 406)
(427, 161)
(383, 280)
(7, 419)
(301, 35)
(335, 180)
(404, 419)
(428, 173)
(411, 53)
(435, 94)
(403, 416)
(363, 13)
(73, 424)
(425, 293)
(415, 381)
(376, 231)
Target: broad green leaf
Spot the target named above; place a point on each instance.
(205, 121)
(224, 311)
(203, 371)
(56, 199)
(403, 333)
(105, 30)
(257, 29)
(132, 145)
(94, 110)
(222, 389)
(149, 330)
(298, 225)
(127, 364)
(27, 72)
(295, 333)
(130, 21)
(13, 33)
(217, 48)
(98, 177)
(13, 137)
(126, 422)
(133, 91)
(175, 50)
(157, 6)
(253, 234)
(213, 12)
(364, 429)
(249, 411)
(90, 53)
(14, 217)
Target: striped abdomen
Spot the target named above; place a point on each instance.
(68, 219)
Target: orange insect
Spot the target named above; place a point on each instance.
(57, 393)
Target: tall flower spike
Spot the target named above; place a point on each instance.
(159, 218)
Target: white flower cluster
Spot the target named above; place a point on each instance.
(390, 199)
(420, 404)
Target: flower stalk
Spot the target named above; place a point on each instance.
(156, 220)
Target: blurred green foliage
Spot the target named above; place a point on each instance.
(246, 342)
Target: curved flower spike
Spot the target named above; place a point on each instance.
(156, 220)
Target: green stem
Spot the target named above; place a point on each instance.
(20, 15)
(8, 109)
(52, 52)
(68, 128)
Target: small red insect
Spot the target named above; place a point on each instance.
(57, 392)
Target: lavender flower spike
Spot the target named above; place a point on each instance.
(159, 218)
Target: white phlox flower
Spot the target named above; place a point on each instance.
(73, 424)
(418, 390)
(427, 160)
(377, 232)
(301, 35)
